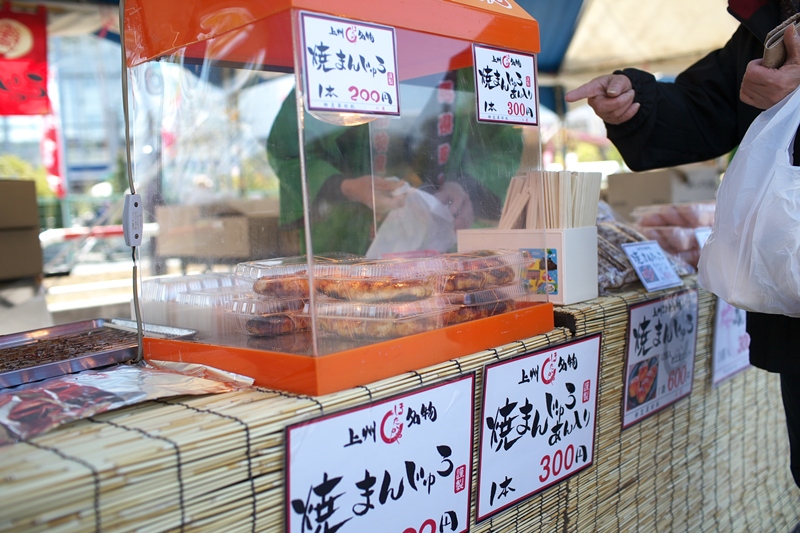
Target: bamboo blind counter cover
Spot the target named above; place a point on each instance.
(715, 461)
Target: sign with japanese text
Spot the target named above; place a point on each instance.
(403, 464)
(651, 265)
(505, 86)
(350, 66)
(731, 344)
(539, 415)
(659, 362)
(23, 61)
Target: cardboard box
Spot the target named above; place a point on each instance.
(18, 208)
(687, 183)
(565, 263)
(238, 229)
(21, 253)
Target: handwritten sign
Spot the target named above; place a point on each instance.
(402, 464)
(350, 66)
(539, 416)
(661, 344)
(731, 344)
(505, 86)
(651, 265)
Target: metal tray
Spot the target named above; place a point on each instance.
(44, 353)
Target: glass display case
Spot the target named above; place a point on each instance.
(309, 165)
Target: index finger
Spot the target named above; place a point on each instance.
(587, 90)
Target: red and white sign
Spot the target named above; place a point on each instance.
(539, 415)
(659, 365)
(731, 352)
(505, 86)
(23, 62)
(350, 66)
(403, 464)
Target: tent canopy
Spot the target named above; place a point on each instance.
(579, 39)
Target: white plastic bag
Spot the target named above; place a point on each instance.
(752, 257)
(422, 223)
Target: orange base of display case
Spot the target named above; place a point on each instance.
(325, 374)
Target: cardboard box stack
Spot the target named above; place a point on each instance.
(687, 183)
(19, 230)
(241, 229)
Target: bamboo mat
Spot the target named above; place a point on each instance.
(716, 460)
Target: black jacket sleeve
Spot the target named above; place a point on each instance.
(695, 118)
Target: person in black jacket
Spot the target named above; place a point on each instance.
(702, 115)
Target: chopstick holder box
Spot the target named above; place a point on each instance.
(563, 266)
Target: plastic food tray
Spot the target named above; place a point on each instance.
(267, 318)
(482, 269)
(393, 280)
(357, 320)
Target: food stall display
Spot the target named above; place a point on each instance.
(326, 154)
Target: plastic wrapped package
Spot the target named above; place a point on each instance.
(267, 318)
(358, 321)
(391, 280)
(614, 269)
(672, 238)
(485, 303)
(687, 215)
(482, 269)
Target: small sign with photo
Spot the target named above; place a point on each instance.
(654, 269)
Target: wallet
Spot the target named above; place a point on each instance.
(774, 50)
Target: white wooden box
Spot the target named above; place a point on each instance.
(565, 264)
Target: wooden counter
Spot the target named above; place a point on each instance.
(714, 461)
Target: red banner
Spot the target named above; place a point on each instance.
(23, 62)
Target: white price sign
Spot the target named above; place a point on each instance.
(505, 86)
(651, 265)
(539, 416)
(402, 464)
(731, 342)
(661, 344)
(350, 66)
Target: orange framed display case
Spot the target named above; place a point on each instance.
(314, 161)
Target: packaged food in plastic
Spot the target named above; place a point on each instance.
(392, 280)
(358, 320)
(485, 303)
(482, 269)
(686, 215)
(267, 317)
(283, 277)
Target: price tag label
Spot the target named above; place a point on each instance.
(350, 66)
(401, 464)
(539, 418)
(651, 265)
(702, 234)
(659, 361)
(505, 86)
(731, 344)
